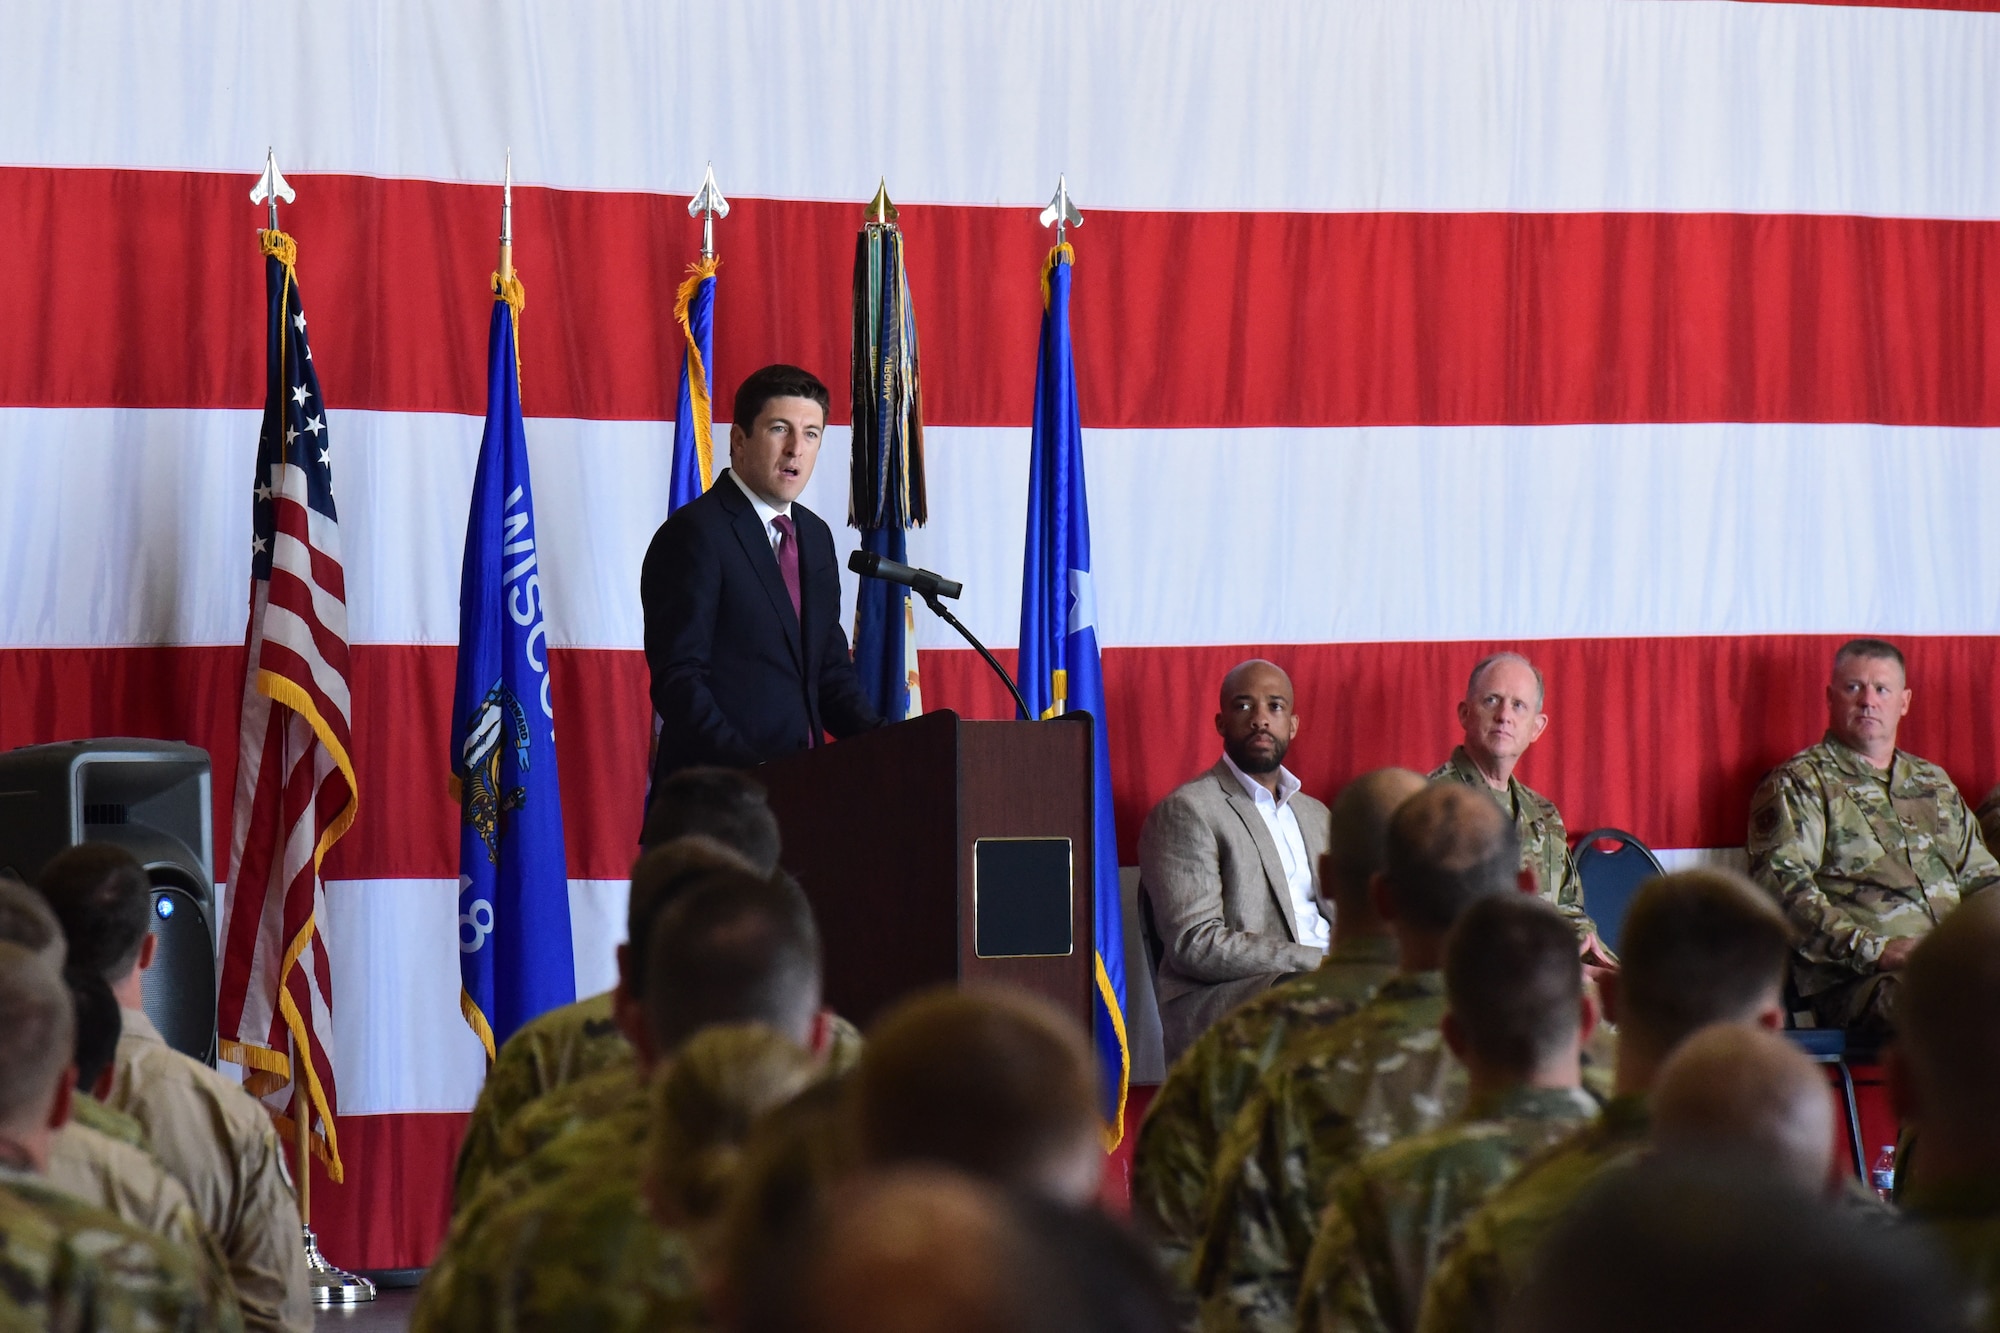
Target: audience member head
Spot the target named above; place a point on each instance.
(1516, 1007)
(1867, 697)
(796, 1155)
(995, 1082)
(1357, 845)
(1448, 847)
(1943, 1067)
(658, 877)
(1501, 713)
(721, 1081)
(1116, 1279)
(1699, 947)
(37, 1041)
(104, 901)
(926, 1250)
(732, 948)
(1255, 717)
(774, 439)
(1741, 1092)
(719, 803)
(25, 919)
(1678, 1244)
(98, 1027)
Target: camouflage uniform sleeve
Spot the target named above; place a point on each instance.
(1258, 1218)
(1463, 1294)
(1787, 844)
(1568, 896)
(1974, 864)
(264, 1253)
(1170, 1166)
(512, 1082)
(1336, 1294)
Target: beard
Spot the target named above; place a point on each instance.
(1256, 762)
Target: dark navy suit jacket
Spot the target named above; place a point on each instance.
(737, 678)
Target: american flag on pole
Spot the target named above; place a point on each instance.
(295, 788)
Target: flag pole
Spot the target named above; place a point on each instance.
(331, 1285)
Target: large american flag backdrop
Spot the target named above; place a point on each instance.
(1659, 340)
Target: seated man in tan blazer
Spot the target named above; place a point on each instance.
(1227, 863)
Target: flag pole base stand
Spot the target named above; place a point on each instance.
(330, 1285)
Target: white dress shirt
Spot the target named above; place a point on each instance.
(1283, 823)
(765, 513)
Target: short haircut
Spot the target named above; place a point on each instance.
(104, 901)
(1448, 846)
(1358, 828)
(99, 1024)
(658, 877)
(1699, 947)
(997, 1083)
(1480, 668)
(25, 919)
(1873, 650)
(718, 803)
(776, 381)
(1736, 1090)
(704, 1107)
(1948, 1014)
(1513, 981)
(732, 948)
(37, 1035)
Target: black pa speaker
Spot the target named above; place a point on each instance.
(151, 798)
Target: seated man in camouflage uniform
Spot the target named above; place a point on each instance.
(1700, 947)
(1502, 716)
(1516, 1017)
(733, 949)
(1944, 1081)
(1340, 1093)
(1865, 846)
(576, 1040)
(1207, 1085)
(63, 1263)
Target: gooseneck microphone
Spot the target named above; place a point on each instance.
(870, 565)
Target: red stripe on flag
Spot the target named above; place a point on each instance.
(1248, 319)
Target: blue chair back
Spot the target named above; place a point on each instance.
(1612, 865)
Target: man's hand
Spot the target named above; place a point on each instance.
(1894, 954)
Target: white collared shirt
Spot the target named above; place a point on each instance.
(1283, 824)
(765, 513)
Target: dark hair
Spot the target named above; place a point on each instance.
(1117, 1283)
(776, 381)
(104, 901)
(658, 877)
(732, 948)
(1699, 947)
(996, 1083)
(1448, 846)
(1875, 650)
(1514, 981)
(718, 803)
(98, 1025)
(25, 919)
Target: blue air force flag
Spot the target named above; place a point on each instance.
(1059, 664)
(513, 882)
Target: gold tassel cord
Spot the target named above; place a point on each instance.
(699, 395)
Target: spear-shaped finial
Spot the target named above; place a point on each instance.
(708, 205)
(881, 212)
(507, 222)
(1062, 210)
(272, 186)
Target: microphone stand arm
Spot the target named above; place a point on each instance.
(938, 608)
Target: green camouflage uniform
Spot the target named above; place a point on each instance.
(1341, 1093)
(1965, 1220)
(1392, 1213)
(1207, 1086)
(1859, 857)
(66, 1265)
(87, 1110)
(1544, 840)
(1469, 1291)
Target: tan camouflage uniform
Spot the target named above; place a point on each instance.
(1544, 840)
(1481, 1270)
(1183, 1129)
(66, 1265)
(1341, 1093)
(1859, 857)
(1391, 1213)
(217, 1141)
(87, 1110)
(1965, 1220)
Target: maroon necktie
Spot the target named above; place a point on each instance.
(788, 557)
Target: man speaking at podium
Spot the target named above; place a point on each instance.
(742, 597)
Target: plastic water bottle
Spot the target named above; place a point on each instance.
(1883, 1174)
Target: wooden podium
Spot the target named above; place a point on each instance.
(939, 851)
